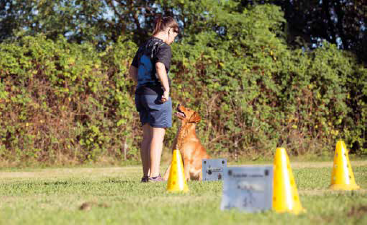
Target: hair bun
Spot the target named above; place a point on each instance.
(158, 18)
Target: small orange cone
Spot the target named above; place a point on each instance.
(176, 180)
(342, 177)
(285, 194)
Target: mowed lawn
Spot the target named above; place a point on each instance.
(115, 195)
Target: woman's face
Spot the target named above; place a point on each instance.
(172, 34)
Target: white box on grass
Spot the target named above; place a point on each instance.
(248, 188)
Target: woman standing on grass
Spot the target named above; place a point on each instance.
(149, 70)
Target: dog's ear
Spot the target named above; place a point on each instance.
(195, 118)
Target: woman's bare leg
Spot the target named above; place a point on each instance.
(156, 147)
(145, 148)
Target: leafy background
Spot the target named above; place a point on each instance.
(260, 74)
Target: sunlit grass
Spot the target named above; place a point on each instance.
(115, 196)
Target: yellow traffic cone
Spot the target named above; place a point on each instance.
(342, 177)
(285, 194)
(176, 180)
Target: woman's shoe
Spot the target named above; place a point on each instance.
(144, 179)
(156, 179)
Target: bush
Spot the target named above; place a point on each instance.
(70, 103)
(62, 101)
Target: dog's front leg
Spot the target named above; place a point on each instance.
(187, 170)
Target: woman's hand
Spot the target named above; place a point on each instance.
(165, 96)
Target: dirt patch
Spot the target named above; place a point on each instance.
(357, 211)
(86, 206)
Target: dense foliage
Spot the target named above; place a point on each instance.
(63, 101)
(309, 22)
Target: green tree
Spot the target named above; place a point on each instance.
(310, 22)
(77, 20)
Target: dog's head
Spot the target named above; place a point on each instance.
(187, 115)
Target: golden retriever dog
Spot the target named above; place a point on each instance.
(190, 147)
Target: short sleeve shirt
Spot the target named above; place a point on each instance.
(151, 52)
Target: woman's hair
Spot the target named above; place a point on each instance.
(162, 23)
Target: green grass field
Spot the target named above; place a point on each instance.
(114, 195)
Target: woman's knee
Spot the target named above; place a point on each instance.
(147, 132)
(158, 133)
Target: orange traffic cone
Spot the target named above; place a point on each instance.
(176, 180)
(285, 194)
(342, 177)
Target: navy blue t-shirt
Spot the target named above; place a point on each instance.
(151, 52)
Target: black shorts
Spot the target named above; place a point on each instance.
(152, 111)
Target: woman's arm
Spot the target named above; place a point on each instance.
(163, 78)
(133, 71)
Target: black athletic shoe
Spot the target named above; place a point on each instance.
(144, 179)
